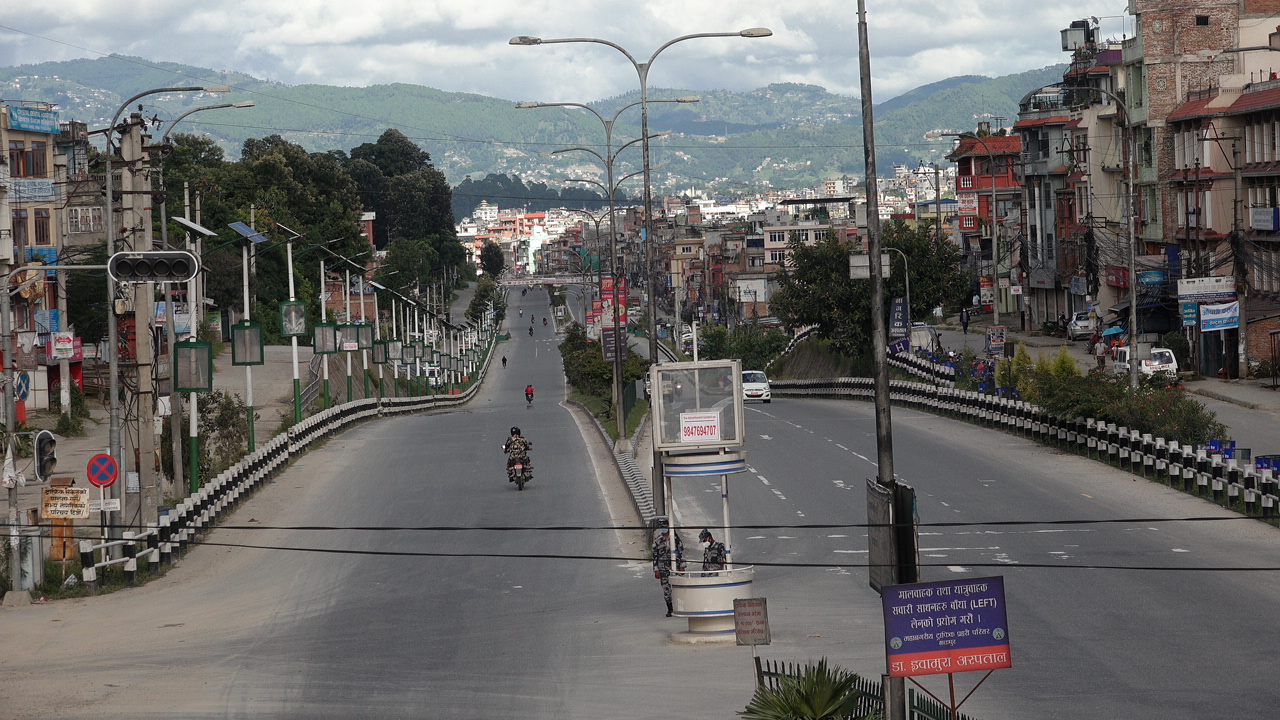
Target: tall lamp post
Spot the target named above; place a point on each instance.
(608, 159)
(642, 72)
(175, 398)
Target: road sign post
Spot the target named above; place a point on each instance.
(102, 471)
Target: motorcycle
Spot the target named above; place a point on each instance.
(528, 398)
(519, 474)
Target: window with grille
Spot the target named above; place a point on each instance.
(19, 228)
(41, 226)
(966, 181)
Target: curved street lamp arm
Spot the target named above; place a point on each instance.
(194, 88)
(192, 111)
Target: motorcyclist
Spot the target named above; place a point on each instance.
(544, 322)
(530, 331)
(521, 312)
(517, 449)
(504, 361)
(528, 393)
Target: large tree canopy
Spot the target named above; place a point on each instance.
(817, 290)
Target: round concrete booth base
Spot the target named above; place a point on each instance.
(705, 598)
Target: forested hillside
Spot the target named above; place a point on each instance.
(783, 135)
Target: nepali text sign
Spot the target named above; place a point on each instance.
(946, 627)
(33, 119)
(1215, 289)
(967, 203)
(751, 621)
(64, 503)
(699, 427)
(898, 318)
(1219, 317)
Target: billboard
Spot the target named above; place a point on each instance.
(1220, 317)
(1217, 289)
(946, 627)
(33, 120)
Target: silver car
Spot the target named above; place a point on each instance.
(1081, 325)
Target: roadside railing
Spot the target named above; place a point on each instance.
(1242, 483)
(180, 526)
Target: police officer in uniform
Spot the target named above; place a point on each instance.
(716, 555)
(662, 558)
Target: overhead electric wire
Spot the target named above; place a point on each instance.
(763, 563)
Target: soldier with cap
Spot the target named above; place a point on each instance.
(715, 556)
(662, 558)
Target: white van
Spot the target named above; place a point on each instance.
(1159, 360)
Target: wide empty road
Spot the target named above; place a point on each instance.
(1193, 641)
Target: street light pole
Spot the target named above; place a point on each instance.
(642, 72)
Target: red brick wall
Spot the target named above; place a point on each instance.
(1260, 337)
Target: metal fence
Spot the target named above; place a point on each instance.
(1240, 483)
(178, 529)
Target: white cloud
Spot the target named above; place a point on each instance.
(463, 45)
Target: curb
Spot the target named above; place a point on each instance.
(637, 483)
(1225, 398)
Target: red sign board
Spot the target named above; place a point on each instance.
(102, 470)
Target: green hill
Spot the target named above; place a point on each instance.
(783, 135)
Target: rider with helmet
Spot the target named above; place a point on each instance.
(517, 449)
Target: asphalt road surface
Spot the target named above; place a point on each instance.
(380, 629)
(1176, 643)
(242, 632)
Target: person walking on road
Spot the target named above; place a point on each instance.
(1100, 352)
(662, 559)
(716, 556)
(964, 320)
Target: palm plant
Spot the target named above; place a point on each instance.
(817, 692)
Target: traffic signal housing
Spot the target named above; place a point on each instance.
(153, 266)
(46, 455)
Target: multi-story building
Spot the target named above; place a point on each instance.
(986, 171)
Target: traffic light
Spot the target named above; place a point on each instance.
(153, 266)
(46, 455)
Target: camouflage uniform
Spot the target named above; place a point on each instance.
(662, 563)
(518, 449)
(715, 556)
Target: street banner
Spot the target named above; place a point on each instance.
(1220, 317)
(898, 318)
(946, 627)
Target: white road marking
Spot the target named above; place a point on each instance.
(957, 568)
(842, 447)
(1181, 550)
(799, 513)
(850, 552)
(837, 536)
(786, 537)
(779, 494)
(765, 437)
(756, 537)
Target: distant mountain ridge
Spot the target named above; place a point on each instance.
(781, 136)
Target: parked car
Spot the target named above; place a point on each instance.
(1081, 325)
(1161, 360)
(755, 386)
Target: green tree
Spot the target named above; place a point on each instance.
(87, 294)
(492, 259)
(817, 290)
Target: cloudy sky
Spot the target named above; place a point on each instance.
(462, 45)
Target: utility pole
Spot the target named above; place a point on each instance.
(894, 688)
(1241, 270)
(136, 221)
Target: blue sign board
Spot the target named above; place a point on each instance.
(48, 321)
(898, 318)
(1190, 314)
(33, 119)
(946, 627)
(900, 346)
